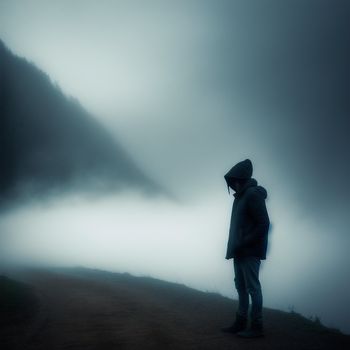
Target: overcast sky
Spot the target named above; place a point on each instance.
(190, 88)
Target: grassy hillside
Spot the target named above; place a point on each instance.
(18, 302)
(93, 309)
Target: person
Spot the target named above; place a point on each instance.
(247, 246)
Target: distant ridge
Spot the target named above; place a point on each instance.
(48, 142)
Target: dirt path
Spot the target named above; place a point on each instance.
(90, 309)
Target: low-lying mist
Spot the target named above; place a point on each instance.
(183, 242)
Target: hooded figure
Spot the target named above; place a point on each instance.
(249, 219)
(247, 245)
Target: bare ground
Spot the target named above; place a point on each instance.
(92, 309)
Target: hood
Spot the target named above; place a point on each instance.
(252, 183)
(262, 191)
(242, 170)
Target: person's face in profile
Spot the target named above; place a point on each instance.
(234, 184)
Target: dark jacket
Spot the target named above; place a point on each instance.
(248, 235)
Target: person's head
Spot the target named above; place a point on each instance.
(239, 174)
(236, 184)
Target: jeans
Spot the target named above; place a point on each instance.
(247, 283)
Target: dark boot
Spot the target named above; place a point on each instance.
(255, 330)
(238, 325)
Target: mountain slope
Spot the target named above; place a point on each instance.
(48, 141)
(92, 309)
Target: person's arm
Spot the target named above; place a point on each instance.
(258, 212)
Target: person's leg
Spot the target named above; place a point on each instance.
(251, 270)
(241, 319)
(241, 286)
